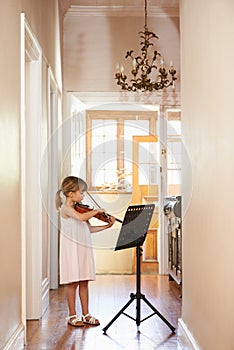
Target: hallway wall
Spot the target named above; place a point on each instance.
(45, 28)
(207, 54)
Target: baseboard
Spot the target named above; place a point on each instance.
(16, 341)
(185, 338)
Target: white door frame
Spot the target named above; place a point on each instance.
(35, 291)
(53, 146)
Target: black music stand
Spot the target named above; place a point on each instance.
(132, 234)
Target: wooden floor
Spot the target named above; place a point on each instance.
(108, 294)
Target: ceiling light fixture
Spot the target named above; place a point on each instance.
(144, 68)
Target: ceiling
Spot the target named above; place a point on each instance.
(97, 33)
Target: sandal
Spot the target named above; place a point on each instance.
(74, 321)
(88, 319)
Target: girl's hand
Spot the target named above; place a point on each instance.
(111, 221)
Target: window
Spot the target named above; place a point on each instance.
(109, 146)
(104, 150)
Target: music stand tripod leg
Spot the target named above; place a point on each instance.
(159, 314)
(132, 297)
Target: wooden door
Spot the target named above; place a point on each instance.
(145, 191)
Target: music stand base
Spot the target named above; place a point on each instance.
(138, 296)
(138, 320)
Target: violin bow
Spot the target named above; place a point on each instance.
(91, 197)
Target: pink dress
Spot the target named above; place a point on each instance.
(76, 252)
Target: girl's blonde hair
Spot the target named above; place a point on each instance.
(69, 184)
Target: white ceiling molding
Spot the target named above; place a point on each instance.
(122, 11)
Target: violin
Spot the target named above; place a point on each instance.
(83, 208)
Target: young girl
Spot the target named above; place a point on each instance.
(76, 253)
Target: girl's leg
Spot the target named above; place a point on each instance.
(73, 320)
(84, 299)
(84, 296)
(71, 297)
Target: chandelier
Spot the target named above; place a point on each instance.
(145, 67)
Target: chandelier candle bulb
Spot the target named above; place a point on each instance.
(117, 68)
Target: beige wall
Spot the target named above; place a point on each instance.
(207, 31)
(10, 237)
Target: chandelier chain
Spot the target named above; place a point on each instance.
(145, 14)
